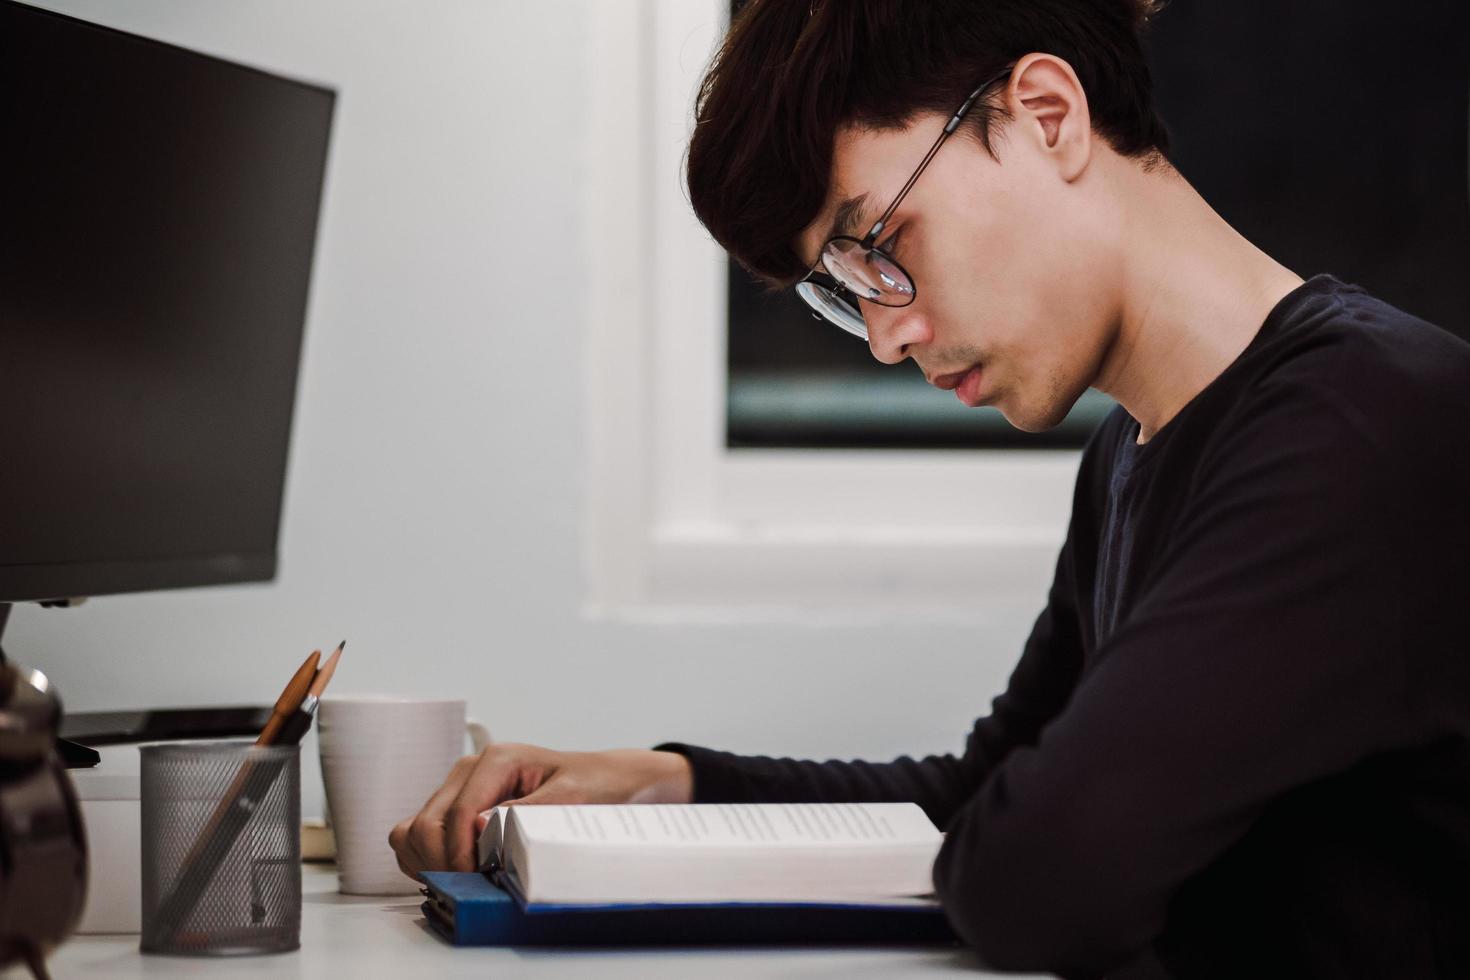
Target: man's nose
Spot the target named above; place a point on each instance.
(894, 330)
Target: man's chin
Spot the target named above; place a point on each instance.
(1034, 418)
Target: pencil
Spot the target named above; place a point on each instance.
(324, 676)
(296, 727)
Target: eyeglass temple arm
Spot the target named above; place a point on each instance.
(949, 127)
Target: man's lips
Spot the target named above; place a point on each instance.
(966, 384)
(949, 382)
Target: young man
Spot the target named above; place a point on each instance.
(1237, 742)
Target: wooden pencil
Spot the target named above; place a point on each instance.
(295, 729)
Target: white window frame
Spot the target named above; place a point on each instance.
(677, 527)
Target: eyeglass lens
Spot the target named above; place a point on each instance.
(869, 273)
(835, 308)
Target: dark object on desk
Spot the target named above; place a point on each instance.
(43, 851)
(71, 754)
(163, 724)
(83, 730)
(467, 909)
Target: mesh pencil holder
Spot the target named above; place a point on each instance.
(221, 829)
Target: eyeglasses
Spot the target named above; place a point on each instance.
(857, 268)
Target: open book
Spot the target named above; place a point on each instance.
(865, 853)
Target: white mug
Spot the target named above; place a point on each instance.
(382, 758)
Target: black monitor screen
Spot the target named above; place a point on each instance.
(158, 210)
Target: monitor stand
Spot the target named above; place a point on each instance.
(73, 755)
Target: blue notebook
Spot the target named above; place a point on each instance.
(469, 909)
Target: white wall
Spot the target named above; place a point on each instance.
(436, 475)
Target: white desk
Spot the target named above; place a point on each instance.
(348, 938)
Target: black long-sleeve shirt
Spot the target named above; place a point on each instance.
(1237, 742)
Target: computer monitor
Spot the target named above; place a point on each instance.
(158, 212)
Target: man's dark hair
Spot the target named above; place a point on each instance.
(792, 72)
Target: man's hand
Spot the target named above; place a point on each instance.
(441, 837)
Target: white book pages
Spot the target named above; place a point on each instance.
(705, 852)
(488, 845)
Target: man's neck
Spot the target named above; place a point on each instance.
(1194, 295)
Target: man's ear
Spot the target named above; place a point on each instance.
(1050, 109)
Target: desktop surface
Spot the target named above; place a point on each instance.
(366, 937)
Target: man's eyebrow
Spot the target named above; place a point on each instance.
(845, 220)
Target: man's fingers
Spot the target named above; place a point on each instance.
(494, 778)
(444, 833)
(464, 850)
(407, 863)
(410, 862)
(425, 834)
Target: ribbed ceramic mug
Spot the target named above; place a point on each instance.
(382, 758)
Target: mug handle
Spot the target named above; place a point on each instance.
(478, 733)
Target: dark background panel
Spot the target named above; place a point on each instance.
(1331, 134)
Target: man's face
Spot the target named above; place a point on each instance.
(1015, 268)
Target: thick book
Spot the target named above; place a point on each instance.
(651, 853)
(471, 909)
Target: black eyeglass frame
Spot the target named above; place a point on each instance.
(817, 279)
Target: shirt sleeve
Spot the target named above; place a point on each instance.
(1264, 654)
(1038, 687)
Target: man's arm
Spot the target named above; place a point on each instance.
(1038, 688)
(1267, 655)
